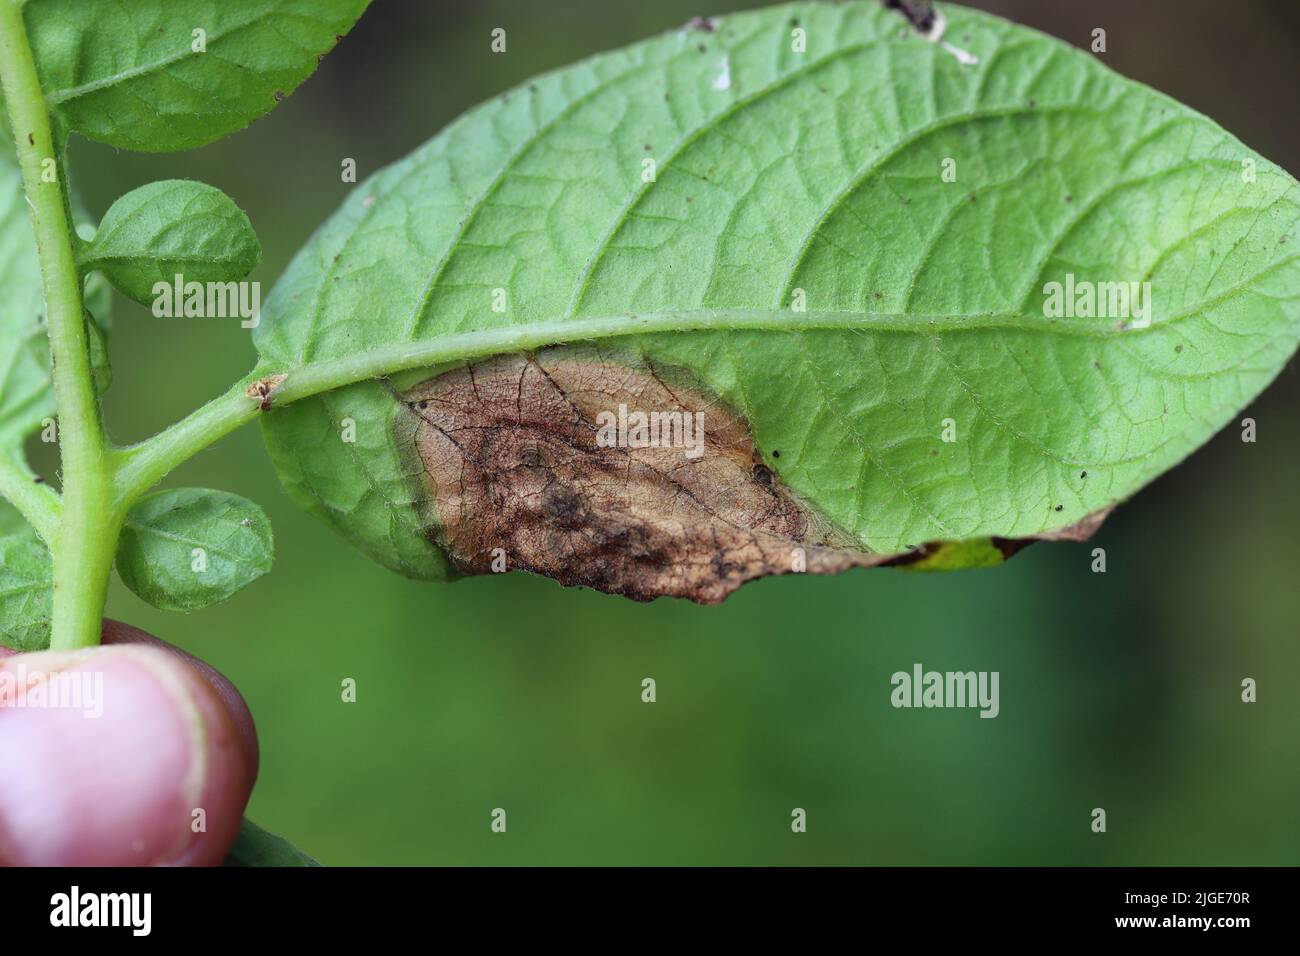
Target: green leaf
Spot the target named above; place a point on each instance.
(26, 582)
(188, 548)
(11, 522)
(799, 251)
(97, 343)
(26, 391)
(256, 847)
(139, 75)
(167, 229)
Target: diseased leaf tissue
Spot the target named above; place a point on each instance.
(848, 254)
(551, 464)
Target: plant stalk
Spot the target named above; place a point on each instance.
(86, 541)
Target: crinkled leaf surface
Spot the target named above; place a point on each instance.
(170, 228)
(187, 548)
(127, 72)
(778, 173)
(26, 579)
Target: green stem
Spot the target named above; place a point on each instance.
(35, 501)
(87, 538)
(140, 467)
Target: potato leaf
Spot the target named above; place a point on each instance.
(956, 294)
(11, 522)
(26, 580)
(163, 75)
(168, 229)
(188, 548)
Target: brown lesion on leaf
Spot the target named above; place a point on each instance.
(263, 390)
(1078, 532)
(514, 458)
(1081, 530)
(919, 13)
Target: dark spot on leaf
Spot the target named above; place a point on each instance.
(279, 95)
(703, 24)
(1033, 104)
(776, 453)
(1178, 348)
(1083, 474)
(31, 139)
(919, 13)
(514, 458)
(1009, 546)
(1069, 198)
(1059, 508)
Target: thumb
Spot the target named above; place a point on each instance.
(119, 755)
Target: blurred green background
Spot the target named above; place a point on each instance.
(1119, 690)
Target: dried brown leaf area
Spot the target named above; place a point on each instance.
(528, 470)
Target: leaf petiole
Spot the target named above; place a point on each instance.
(36, 502)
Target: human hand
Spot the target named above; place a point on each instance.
(151, 765)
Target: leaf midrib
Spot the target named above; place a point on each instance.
(477, 343)
(143, 69)
(178, 538)
(311, 378)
